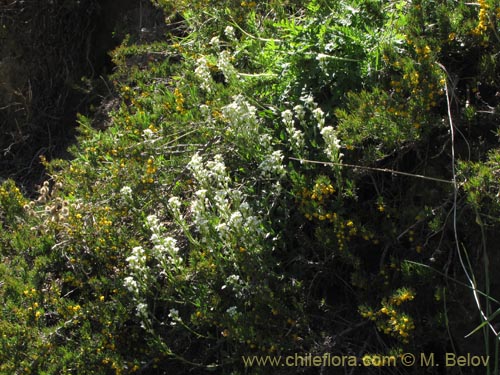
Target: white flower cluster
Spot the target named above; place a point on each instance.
(202, 72)
(308, 100)
(240, 112)
(224, 64)
(229, 32)
(272, 165)
(137, 261)
(142, 313)
(131, 284)
(323, 62)
(319, 115)
(217, 208)
(332, 144)
(296, 136)
(215, 42)
(232, 311)
(210, 174)
(174, 203)
(244, 124)
(300, 112)
(126, 192)
(206, 112)
(137, 282)
(239, 287)
(174, 316)
(165, 249)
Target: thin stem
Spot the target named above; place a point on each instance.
(385, 170)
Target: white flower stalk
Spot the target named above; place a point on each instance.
(165, 249)
(222, 204)
(295, 136)
(126, 192)
(142, 311)
(240, 113)
(239, 287)
(332, 144)
(319, 115)
(224, 64)
(149, 136)
(202, 72)
(153, 222)
(131, 285)
(272, 165)
(137, 260)
(236, 220)
(297, 141)
(211, 174)
(229, 33)
(287, 118)
(300, 112)
(215, 42)
(244, 124)
(174, 316)
(323, 62)
(308, 101)
(232, 311)
(206, 112)
(174, 204)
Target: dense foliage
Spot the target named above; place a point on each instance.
(276, 177)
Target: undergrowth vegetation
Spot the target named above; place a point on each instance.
(278, 177)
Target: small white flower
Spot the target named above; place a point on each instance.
(174, 315)
(319, 115)
(171, 245)
(272, 165)
(229, 32)
(287, 117)
(174, 203)
(297, 140)
(329, 47)
(126, 192)
(142, 310)
(300, 112)
(332, 144)
(131, 284)
(152, 221)
(232, 311)
(233, 279)
(236, 220)
(308, 100)
(148, 134)
(215, 41)
(224, 64)
(205, 110)
(202, 71)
